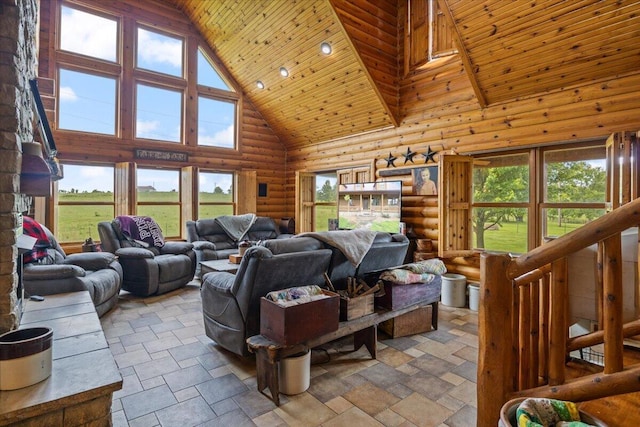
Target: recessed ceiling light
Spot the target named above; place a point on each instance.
(260, 84)
(284, 72)
(325, 48)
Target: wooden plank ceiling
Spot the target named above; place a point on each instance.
(516, 49)
(325, 96)
(510, 49)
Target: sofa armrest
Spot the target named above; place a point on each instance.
(203, 244)
(132, 253)
(176, 248)
(52, 272)
(92, 261)
(219, 281)
(285, 236)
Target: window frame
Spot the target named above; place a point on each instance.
(537, 203)
(233, 203)
(178, 203)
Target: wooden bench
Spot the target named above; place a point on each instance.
(364, 329)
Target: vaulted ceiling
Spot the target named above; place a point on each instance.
(510, 50)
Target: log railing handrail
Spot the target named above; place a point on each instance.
(599, 229)
(510, 358)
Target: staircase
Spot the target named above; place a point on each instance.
(523, 331)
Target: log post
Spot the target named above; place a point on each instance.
(496, 344)
(612, 308)
(558, 327)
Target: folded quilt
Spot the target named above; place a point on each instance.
(540, 412)
(435, 266)
(401, 276)
(296, 295)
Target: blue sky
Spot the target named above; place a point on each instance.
(88, 102)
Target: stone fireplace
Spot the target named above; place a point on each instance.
(18, 64)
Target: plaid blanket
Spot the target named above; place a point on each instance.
(32, 228)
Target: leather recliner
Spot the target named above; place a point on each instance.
(231, 303)
(149, 271)
(100, 273)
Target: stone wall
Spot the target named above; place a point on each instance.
(18, 62)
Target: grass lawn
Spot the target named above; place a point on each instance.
(512, 236)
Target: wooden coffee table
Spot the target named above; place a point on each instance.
(218, 265)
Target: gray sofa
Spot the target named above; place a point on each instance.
(99, 273)
(231, 302)
(211, 242)
(149, 271)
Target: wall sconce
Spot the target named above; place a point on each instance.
(284, 72)
(260, 84)
(325, 48)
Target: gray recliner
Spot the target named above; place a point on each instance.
(231, 303)
(97, 272)
(149, 271)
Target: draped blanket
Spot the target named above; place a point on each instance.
(32, 228)
(141, 229)
(236, 226)
(354, 244)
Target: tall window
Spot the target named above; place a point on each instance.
(215, 194)
(574, 191)
(158, 113)
(158, 194)
(569, 183)
(501, 199)
(85, 197)
(326, 202)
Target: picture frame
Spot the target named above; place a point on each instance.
(425, 181)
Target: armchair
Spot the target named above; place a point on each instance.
(231, 303)
(96, 272)
(152, 270)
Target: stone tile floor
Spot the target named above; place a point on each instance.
(174, 375)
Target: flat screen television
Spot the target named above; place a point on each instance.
(372, 205)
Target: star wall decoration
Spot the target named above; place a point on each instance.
(390, 160)
(428, 155)
(408, 155)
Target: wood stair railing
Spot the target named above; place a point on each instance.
(523, 321)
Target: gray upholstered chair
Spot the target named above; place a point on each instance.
(149, 271)
(231, 303)
(97, 272)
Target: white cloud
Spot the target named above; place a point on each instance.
(145, 129)
(159, 49)
(88, 34)
(223, 138)
(67, 94)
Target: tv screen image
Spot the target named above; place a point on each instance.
(372, 205)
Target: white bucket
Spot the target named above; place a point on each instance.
(454, 290)
(294, 373)
(474, 296)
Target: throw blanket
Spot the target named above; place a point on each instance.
(236, 226)
(141, 229)
(405, 277)
(354, 244)
(548, 412)
(32, 228)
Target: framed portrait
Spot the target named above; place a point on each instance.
(425, 181)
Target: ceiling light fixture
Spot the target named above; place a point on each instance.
(284, 72)
(260, 84)
(325, 48)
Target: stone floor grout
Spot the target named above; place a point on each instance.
(174, 375)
